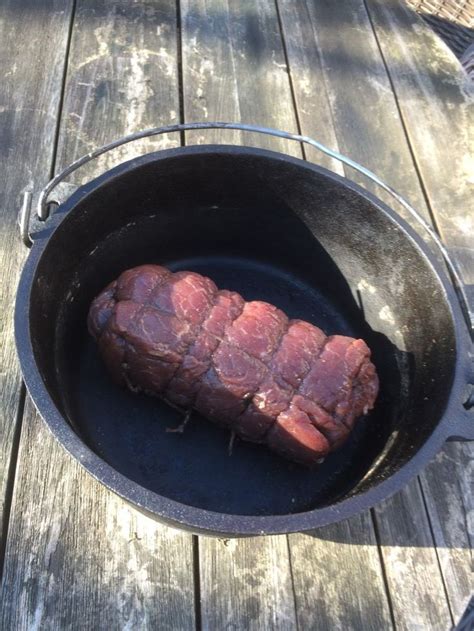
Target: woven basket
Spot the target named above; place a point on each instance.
(453, 20)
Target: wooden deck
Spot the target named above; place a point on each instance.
(363, 76)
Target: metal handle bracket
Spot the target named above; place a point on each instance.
(30, 224)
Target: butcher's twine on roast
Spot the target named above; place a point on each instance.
(244, 365)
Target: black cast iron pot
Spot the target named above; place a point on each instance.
(271, 227)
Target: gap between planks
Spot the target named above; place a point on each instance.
(63, 89)
(10, 484)
(402, 120)
(11, 475)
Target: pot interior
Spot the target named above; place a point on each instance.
(271, 228)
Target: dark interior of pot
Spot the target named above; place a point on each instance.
(273, 229)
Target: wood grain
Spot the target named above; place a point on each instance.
(234, 69)
(246, 584)
(411, 565)
(122, 77)
(345, 77)
(311, 97)
(448, 487)
(29, 102)
(78, 556)
(436, 102)
(338, 578)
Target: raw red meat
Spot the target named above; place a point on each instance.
(242, 364)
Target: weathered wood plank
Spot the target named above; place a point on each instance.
(210, 90)
(79, 558)
(29, 101)
(311, 97)
(338, 578)
(368, 128)
(246, 584)
(437, 106)
(249, 80)
(346, 75)
(448, 487)
(122, 77)
(234, 69)
(76, 554)
(411, 564)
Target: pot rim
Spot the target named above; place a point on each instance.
(189, 517)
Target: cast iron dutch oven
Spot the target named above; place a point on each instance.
(271, 227)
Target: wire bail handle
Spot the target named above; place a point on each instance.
(42, 205)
